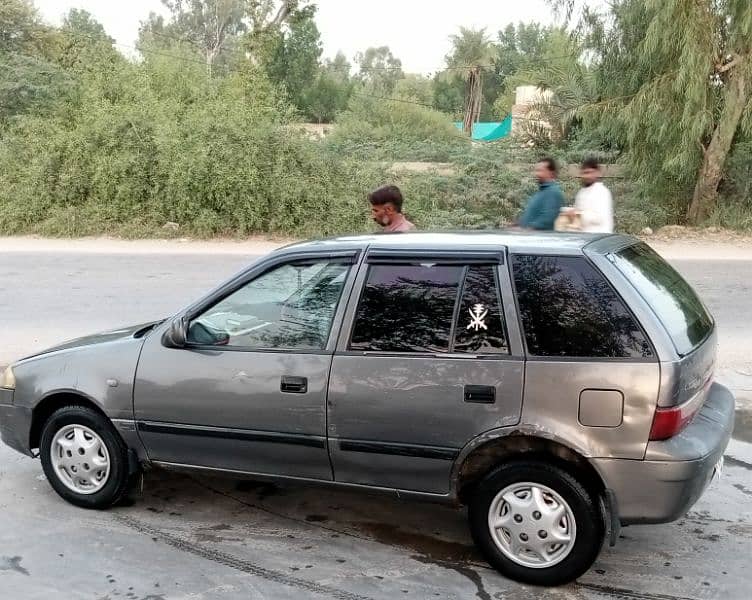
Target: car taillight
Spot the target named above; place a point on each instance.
(667, 422)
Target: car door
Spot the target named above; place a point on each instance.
(424, 365)
(248, 391)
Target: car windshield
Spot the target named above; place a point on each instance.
(672, 299)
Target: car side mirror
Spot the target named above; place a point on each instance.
(175, 336)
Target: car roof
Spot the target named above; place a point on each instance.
(514, 241)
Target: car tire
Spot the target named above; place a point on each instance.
(84, 458)
(523, 542)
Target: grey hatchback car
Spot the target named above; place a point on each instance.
(558, 385)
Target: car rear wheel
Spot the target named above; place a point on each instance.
(535, 523)
(84, 458)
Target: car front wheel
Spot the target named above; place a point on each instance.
(536, 523)
(84, 458)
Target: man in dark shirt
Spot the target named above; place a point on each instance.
(543, 207)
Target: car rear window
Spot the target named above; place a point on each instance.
(672, 299)
(568, 309)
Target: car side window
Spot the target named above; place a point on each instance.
(406, 308)
(480, 322)
(290, 307)
(569, 309)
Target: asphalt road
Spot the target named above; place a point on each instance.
(204, 538)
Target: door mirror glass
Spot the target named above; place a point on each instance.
(203, 335)
(175, 337)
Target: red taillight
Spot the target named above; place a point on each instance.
(667, 422)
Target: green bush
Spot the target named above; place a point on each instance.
(158, 142)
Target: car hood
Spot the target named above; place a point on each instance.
(101, 338)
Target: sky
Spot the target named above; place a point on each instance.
(417, 31)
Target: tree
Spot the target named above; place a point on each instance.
(675, 80)
(207, 23)
(19, 26)
(330, 93)
(448, 94)
(294, 62)
(379, 70)
(548, 58)
(416, 88)
(326, 98)
(30, 79)
(30, 84)
(212, 26)
(472, 54)
(84, 44)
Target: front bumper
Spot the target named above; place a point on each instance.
(15, 423)
(675, 472)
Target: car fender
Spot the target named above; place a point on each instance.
(524, 431)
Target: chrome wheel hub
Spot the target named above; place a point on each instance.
(532, 525)
(80, 459)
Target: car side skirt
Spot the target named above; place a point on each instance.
(398, 493)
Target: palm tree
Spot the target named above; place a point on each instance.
(472, 53)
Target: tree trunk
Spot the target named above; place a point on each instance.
(710, 174)
(472, 102)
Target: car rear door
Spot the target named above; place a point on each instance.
(428, 358)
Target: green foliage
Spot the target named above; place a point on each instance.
(294, 63)
(416, 88)
(84, 46)
(159, 141)
(30, 84)
(379, 70)
(20, 28)
(664, 73)
(92, 143)
(375, 121)
(547, 57)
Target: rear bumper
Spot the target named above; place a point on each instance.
(675, 472)
(15, 423)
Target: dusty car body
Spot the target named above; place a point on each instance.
(560, 385)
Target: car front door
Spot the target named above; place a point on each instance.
(429, 358)
(248, 391)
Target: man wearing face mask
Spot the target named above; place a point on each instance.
(593, 203)
(386, 209)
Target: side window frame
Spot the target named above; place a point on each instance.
(352, 258)
(529, 356)
(496, 257)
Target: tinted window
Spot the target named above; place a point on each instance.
(569, 309)
(290, 307)
(480, 325)
(406, 308)
(675, 303)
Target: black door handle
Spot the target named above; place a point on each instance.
(293, 385)
(481, 394)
